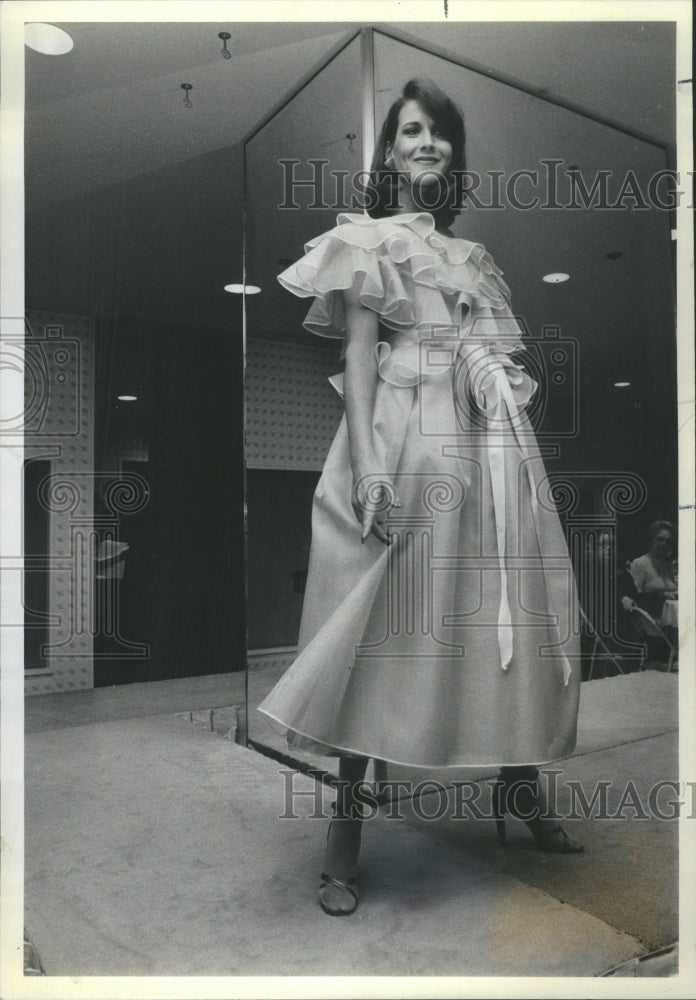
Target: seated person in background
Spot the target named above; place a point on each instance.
(655, 572)
(654, 577)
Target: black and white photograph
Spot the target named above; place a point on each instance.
(347, 515)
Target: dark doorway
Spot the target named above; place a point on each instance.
(36, 525)
(182, 590)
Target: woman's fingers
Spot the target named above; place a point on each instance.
(371, 525)
(379, 531)
(371, 505)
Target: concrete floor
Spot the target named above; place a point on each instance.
(154, 847)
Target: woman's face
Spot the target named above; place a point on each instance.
(662, 544)
(419, 148)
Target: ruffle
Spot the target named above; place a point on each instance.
(493, 378)
(403, 366)
(398, 265)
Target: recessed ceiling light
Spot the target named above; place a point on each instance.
(621, 385)
(556, 278)
(128, 399)
(47, 38)
(243, 289)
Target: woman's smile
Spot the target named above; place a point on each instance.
(419, 147)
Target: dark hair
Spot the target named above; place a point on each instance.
(446, 116)
(657, 526)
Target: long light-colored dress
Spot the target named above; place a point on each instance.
(453, 646)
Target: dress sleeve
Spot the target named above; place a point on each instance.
(408, 274)
(369, 259)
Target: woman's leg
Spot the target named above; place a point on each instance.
(338, 892)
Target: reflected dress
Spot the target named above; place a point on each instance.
(454, 645)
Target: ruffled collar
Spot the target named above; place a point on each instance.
(454, 248)
(421, 222)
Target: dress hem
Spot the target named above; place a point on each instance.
(345, 751)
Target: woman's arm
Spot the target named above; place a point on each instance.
(360, 389)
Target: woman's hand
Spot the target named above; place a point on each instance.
(373, 498)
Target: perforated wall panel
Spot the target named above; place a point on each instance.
(292, 411)
(59, 427)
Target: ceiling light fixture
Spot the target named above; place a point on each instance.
(188, 87)
(225, 36)
(128, 399)
(47, 38)
(243, 289)
(556, 278)
(621, 385)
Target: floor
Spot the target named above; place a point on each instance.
(156, 845)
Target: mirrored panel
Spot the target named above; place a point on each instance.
(295, 170)
(533, 167)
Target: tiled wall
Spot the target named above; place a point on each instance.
(291, 410)
(59, 426)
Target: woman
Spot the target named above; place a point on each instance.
(655, 572)
(654, 577)
(435, 629)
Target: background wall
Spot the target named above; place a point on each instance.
(60, 545)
